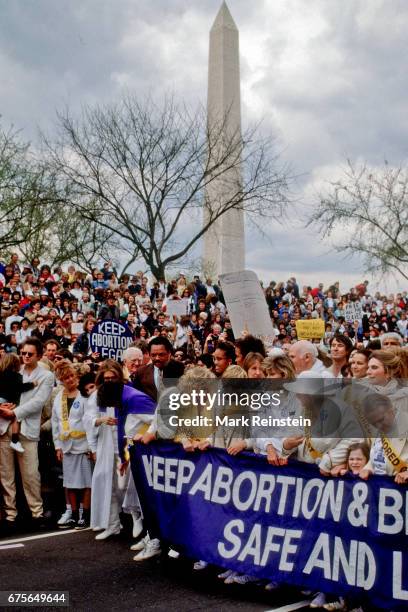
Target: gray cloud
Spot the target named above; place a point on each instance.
(327, 77)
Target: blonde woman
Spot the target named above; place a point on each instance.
(253, 365)
(226, 436)
(402, 353)
(279, 367)
(385, 375)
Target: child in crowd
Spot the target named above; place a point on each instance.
(11, 388)
(357, 457)
(71, 446)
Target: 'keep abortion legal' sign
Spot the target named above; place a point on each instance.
(110, 338)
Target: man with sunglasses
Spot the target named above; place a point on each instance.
(28, 413)
(42, 330)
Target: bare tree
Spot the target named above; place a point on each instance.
(63, 237)
(370, 207)
(25, 191)
(142, 172)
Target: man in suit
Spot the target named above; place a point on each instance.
(152, 377)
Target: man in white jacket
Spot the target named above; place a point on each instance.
(28, 413)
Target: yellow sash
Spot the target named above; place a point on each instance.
(392, 455)
(315, 454)
(142, 430)
(75, 434)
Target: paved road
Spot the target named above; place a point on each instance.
(103, 576)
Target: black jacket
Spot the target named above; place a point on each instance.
(12, 386)
(109, 312)
(82, 344)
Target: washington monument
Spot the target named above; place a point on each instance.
(224, 243)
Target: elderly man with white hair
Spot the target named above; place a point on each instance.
(132, 359)
(304, 356)
(391, 339)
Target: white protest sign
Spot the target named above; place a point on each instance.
(77, 328)
(353, 312)
(177, 308)
(246, 305)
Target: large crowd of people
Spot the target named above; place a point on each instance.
(67, 412)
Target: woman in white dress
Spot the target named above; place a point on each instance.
(116, 412)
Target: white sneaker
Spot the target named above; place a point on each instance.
(319, 601)
(340, 604)
(111, 531)
(97, 528)
(200, 565)
(152, 549)
(137, 525)
(272, 586)
(67, 516)
(173, 554)
(16, 446)
(245, 579)
(141, 544)
(231, 578)
(225, 574)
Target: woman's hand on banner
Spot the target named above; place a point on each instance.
(188, 445)
(271, 455)
(338, 470)
(145, 438)
(324, 473)
(237, 447)
(401, 477)
(202, 445)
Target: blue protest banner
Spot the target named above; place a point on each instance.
(110, 338)
(289, 524)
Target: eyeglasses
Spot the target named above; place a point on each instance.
(27, 354)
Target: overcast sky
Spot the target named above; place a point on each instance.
(328, 78)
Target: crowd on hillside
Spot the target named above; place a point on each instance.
(63, 406)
